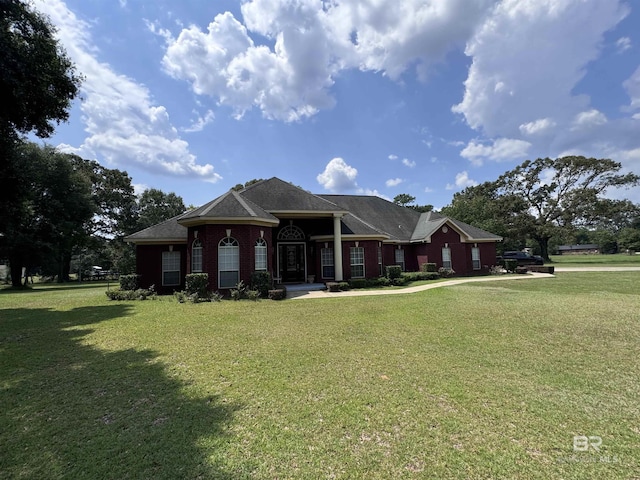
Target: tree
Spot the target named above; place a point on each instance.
(241, 186)
(38, 80)
(562, 193)
(484, 207)
(50, 218)
(404, 199)
(155, 206)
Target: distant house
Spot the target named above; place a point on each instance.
(298, 236)
(587, 248)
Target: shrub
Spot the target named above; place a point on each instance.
(239, 292)
(496, 270)
(129, 282)
(252, 295)
(261, 281)
(429, 267)
(417, 276)
(380, 282)
(197, 283)
(399, 281)
(138, 294)
(359, 283)
(333, 286)
(510, 264)
(446, 272)
(278, 293)
(393, 271)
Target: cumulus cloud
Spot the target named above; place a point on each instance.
(589, 118)
(393, 157)
(462, 181)
(533, 74)
(199, 123)
(393, 182)
(310, 43)
(502, 149)
(338, 176)
(122, 122)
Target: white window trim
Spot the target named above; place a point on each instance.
(351, 261)
(166, 257)
(323, 263)
(446, 263)
(260, 251)
(475, 257)
(224, 246)
(196, 246)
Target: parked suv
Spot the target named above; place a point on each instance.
(523, 258)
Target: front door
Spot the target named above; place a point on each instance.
(292, 262)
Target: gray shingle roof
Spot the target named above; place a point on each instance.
(229, 205)
(363, 215)
(169, 230)
(275, 195)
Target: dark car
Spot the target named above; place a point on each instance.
(523, 258)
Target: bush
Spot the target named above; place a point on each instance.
(239, 292)
(399, 281)
(129, 282)
(277, 294)
(418, 276)
(261, 281)
(359, 283)
(252, 295)
(429, 267)
(510, 264)
(138, 294)
(197, 283)
(393, 271)
(380, 282)
(446, 272)
(184, 297)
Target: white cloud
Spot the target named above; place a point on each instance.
(589, 118)
(123, 123)
(138, 188)
(310, 43)
(200, 122)
(463, 180)
(623, 44)
(408, 163)
(428, 190)
(632, 87)
(393, 157)
(537, 127)
(550, 43)
(338, 176)
(393, 182)
(502, 149)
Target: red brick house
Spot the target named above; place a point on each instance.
(298, 236)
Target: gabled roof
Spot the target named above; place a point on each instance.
(228, 207)
(167, 231)
(387, 217)
(268, 201)
(430, 222)
(278, 196)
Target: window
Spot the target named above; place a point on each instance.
(399, 257)
(261, 255)
(228, 263)
(357, 262)
(196, 256)
(380, 272)
(446, 257)
(475, 258)
(170, 268)
(326, 260)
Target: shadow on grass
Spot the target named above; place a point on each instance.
(51, 286)
(70, 410)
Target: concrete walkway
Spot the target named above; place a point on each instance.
(303, 294)
(400, 291)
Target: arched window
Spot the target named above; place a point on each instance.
(291, 232)
(228, 263)
(196, 256)
(261, 255)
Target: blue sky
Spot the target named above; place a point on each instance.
(380, 97)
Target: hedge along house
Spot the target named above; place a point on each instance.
(300, 237)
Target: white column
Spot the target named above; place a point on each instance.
(337, 247)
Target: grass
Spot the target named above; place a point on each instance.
(619, 259)
(488, 380)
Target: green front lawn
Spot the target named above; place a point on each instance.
(486, 380)
(618, 259)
